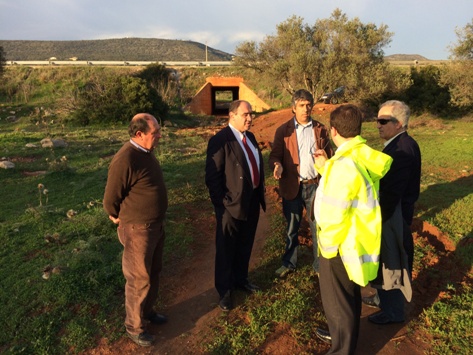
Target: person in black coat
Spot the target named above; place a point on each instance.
(234, 176)
(399, 189)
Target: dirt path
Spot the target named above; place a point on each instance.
(191, 305)
(190, 299)
(195, 303)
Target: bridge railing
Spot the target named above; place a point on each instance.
(117, 63)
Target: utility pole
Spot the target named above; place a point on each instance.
(206, 54)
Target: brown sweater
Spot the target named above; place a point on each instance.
(135, 190)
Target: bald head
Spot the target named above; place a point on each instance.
(145, 130)
(141, 122)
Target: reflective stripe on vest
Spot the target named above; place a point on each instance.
(359, 260)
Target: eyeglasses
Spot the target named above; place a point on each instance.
(383, 121)
(318, 145)
(248, 114)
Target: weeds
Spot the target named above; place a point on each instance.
(53, 224)
(61, 261)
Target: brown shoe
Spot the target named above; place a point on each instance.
(143, 339)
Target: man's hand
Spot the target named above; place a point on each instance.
(277, 173)
(320, 157)
(114, 220)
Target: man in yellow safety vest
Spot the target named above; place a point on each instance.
(348, 215)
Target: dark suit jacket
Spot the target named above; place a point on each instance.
(402, 182)
(228, 176)
(286, 152)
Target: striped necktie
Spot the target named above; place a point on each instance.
(254, 166)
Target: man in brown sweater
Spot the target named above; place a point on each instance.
(136, 199)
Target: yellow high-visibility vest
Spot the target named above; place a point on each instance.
(347, 208)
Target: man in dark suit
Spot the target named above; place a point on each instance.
(235, 178)
(292, 162)
(399, 190)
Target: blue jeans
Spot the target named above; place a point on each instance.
(292, 210)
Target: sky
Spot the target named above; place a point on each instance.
(424, 27)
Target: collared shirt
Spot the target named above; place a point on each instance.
(390, 140)
(239, 137)
(139, 146)
(306, 145)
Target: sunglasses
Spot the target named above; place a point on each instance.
(383, 121)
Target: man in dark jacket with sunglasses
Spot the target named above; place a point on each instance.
(399, 190)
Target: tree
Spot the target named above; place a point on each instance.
(331, 53)
(463, 49)
(2, 61)
(458, 74)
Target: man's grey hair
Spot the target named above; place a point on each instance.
(400, 112)
(302, 94)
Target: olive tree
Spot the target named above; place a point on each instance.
(333, 52)
(458, 74)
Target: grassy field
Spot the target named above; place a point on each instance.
(61, 282)
(60, 270)
(446, 201)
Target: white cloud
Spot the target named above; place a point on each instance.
(424, 27)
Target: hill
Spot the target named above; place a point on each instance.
(133, 49)
(405, 57)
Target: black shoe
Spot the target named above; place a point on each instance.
(324, 335)
(157, 318)
(226, 302)
(372, 301)
(249, 288)
(143, 339)
(382, 318)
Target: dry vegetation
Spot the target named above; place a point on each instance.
(133, 49)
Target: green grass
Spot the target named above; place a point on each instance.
(450, 322)
(82, 299)
(293, 302)
(446, 201)
(69, 311)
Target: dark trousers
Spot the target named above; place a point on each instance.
(392, 301)
(141, 264)
(292, 210)
(341, 299)
(234, 242)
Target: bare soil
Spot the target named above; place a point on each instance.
(190, 300)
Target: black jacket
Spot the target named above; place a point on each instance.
(228, 176)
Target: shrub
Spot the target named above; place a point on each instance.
(426, 94)
(116, 99)
(164, 82)
(2, 61)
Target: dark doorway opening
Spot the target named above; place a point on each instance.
(221, 99)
